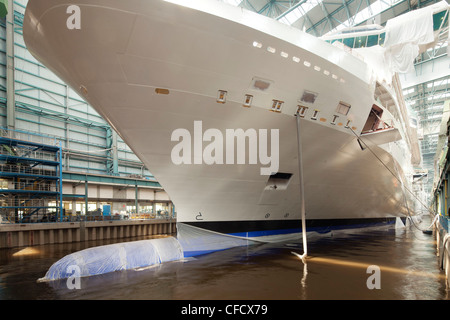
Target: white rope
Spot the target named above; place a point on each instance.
(302, 192)
(397, 178)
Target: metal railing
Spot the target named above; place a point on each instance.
(24, 203)
(28, 136)
(34, 186)
(27, 153)
(45, 216)
(27, 215)
(14, 168)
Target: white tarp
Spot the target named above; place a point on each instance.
(400, 58)
(374, 56)
(405, 36)
(115, 257)
(412, 27)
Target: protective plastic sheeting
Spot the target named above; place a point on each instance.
(115, 257)
(196, 241)
(412, 27)
(406, 36)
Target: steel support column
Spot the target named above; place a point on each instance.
(10, 88)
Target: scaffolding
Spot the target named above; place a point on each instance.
(30, 178)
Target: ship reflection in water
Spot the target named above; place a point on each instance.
(403, 265)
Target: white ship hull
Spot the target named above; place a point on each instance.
(151, 67)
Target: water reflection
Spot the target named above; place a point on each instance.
(336, 269)
(26, 252)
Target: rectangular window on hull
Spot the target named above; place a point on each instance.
(261, 84)
(343, 108)
(309, 96)
(278, 181)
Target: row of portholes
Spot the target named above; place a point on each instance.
(295, 59)
(222, 98)
(301, 110)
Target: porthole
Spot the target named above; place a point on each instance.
(333, 122)
(248, 100)
(301, 111)
(221, 96)
(277, 105)
(315, 114)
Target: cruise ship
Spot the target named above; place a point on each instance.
(208, 96)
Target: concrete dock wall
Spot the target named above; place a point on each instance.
(24, 235)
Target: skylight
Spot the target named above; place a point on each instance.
(438, 83)
(441, 96)
(233, 2)
(435, 116)
(367, 13)
(408, 91)
(299, 11)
